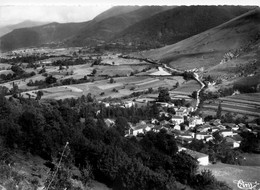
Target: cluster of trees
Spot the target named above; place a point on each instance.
(100, 152)
(67, 62)
(25, 59)
(18, 73)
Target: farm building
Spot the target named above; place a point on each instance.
(203, 159)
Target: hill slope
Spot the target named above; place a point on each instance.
(239, 37)
(106, 29)
(25, 24)
(171, 26)
(114, 11)
(103, 27)
(25, 37)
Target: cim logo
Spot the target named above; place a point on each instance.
(246, 185)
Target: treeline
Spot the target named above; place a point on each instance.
(66, 62)
(100, 152)
(18, 73)
(25, 59)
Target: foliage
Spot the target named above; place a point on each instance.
(164, 95)
(43, 127)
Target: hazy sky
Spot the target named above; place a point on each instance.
(15, 11)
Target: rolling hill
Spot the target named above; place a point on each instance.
(34, 36)
(25, 24)
(171, 26)
(107, 28)
(103, 27)
(227, 49)
(147, 25)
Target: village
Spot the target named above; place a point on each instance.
(181, 122)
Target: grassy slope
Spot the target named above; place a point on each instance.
(208, 48)
(229, 173)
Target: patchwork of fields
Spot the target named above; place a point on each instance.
(122, 86)
(243, 103)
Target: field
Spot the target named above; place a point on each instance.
(129, 75)
(123, 86)
(189, 87)
(231, 173)
(120, 70)
(248, 104)
(115, 60)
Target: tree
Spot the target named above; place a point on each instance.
(218, 115)
(112, 80)
(39, 95)
(194, 94)
(50, 79)
(177, 84)
(94, 71)
(121, 125)
(164, 95)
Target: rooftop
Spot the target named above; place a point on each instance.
(194, 154)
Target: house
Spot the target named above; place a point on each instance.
(202, 158)
(205, 128)
(226, 133)
(215, 122)
(193, 121)
(177, 119)
(215, 128)
(183, 140)
(181, 112)
(106, 104)
(203, 136)
(232, 142)
(154, 121)
(139, 128)
(229, 125)
(177, 127)
(241, 125)
(129, 104)
(165, 104)
(157, 128)
(186, 135)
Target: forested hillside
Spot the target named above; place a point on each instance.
(47, 128)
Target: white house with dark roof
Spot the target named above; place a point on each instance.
(177, 120)
(203, 136)
(139, 128)
(226, 133)
(232, 142)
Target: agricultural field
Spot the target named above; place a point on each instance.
(188, 87)
(122, 86)
(120, 70)
(248, 104)
(4, 66)
(115, 60)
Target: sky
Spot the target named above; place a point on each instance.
(16, 11)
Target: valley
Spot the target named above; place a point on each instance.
(139, 97)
